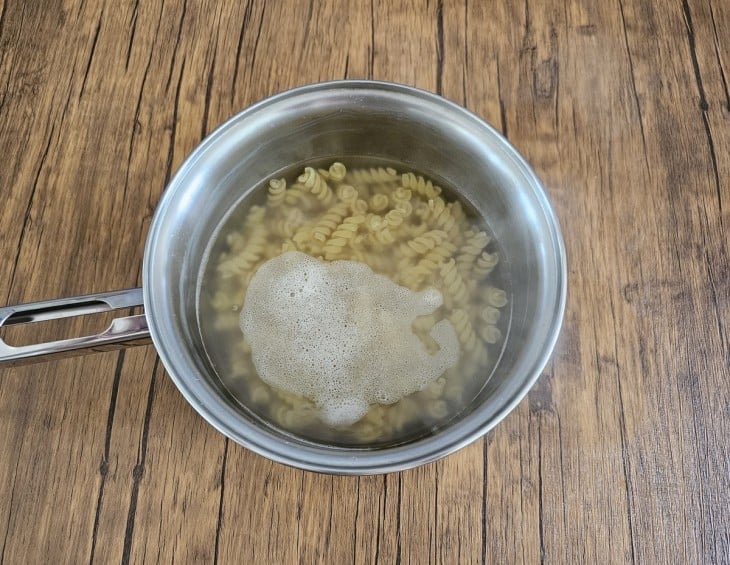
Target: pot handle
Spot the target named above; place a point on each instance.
(122, 332)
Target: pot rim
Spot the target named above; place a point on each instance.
(351, 461)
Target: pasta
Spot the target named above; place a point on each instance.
(484, 265)
(329, 221)
(373, 176)
(379, 202)
(421, 186)
(314, 182)
(423, 244)
(470, 251)
(277, 190)
(400, 224)
(453, 284)
(340, 238)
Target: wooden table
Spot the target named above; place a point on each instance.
(620, 452)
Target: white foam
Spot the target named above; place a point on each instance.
(340, 335)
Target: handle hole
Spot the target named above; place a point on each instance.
(17, 332)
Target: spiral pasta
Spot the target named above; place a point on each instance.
(470, 251)
(464, 329)
(313, 181)
(244, 261)
(329, 222)
(373, 176)
(277, 192)
(424, 243)
(347, 194)
(484, 265)
(442, 218)
(287, 225)
(379, 202)
(432, 262)
(421, 186)
(452, 283)
(495, 297)
(359, 207)
(337, 171)
(342, 236)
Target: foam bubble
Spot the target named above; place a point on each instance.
(340, 334)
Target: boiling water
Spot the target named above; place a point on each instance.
(475, 291)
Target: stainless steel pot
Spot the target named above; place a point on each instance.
(331, 120)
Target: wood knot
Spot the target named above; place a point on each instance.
(545, 77)
(587, 29)
(138, 473)
(630, 292)
(540, 398)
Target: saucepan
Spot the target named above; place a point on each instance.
(332, 120)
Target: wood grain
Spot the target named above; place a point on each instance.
(620, 452)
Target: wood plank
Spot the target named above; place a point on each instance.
(620, 451)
